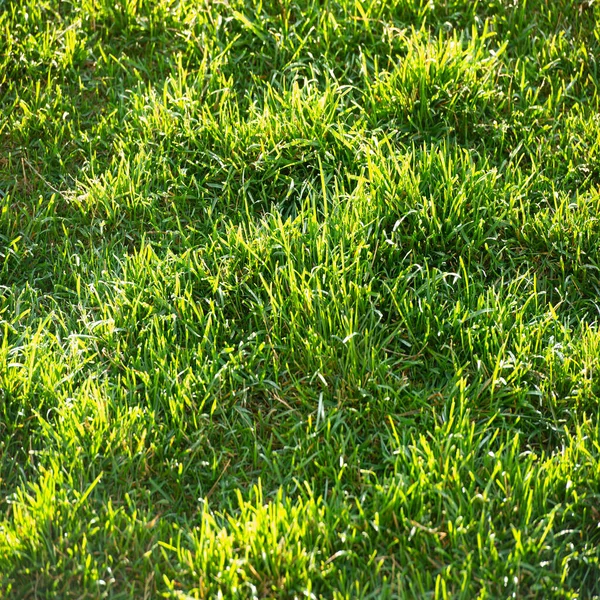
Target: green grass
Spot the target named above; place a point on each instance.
(299, 299)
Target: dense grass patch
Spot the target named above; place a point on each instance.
(299, 299)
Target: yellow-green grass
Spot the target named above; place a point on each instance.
(299, 299)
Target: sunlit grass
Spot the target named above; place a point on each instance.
(299, 299)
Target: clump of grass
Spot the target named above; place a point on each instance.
(299, 299)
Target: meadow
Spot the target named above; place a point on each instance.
(299, 299)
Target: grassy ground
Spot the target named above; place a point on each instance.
(299, 298)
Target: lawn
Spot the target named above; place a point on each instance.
(299, 299)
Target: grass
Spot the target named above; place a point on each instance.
(299, 298)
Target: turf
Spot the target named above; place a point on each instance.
(299, 299)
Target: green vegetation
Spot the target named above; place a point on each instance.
(299, 299)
